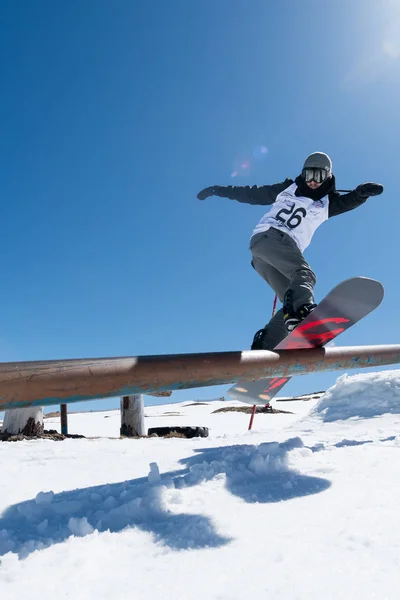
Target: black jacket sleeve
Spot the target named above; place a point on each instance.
(340, 203)
(266, 194)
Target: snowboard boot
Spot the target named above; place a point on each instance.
(258, 339)
(293, 318)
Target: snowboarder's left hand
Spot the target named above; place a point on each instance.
(369, 189)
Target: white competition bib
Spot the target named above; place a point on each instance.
(297, 216)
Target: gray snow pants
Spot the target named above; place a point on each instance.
(278, 260)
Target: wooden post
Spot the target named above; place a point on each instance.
(28, 421)
(132, 416)
(64, 419)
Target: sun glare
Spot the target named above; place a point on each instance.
(382, 50)
(391, 39)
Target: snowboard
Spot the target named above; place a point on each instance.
(345, 305)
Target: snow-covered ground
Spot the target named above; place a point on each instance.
(304, 506)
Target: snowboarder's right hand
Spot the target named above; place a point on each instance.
(208, 191)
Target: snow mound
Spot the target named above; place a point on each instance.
(364, 395)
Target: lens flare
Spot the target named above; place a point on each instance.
(241, 167)
(260, 152)
(244, 166)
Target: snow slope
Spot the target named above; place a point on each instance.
(303, 506)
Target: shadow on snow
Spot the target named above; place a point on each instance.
(253, 473)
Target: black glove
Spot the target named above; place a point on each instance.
(369, 189)
(208, 191)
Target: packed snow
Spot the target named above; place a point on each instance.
(306, 505)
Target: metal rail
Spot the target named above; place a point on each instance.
(44, 383)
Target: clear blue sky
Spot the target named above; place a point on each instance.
(113, 115)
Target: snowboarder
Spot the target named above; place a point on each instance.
(284, 232)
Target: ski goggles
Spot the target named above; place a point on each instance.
(313, 174)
